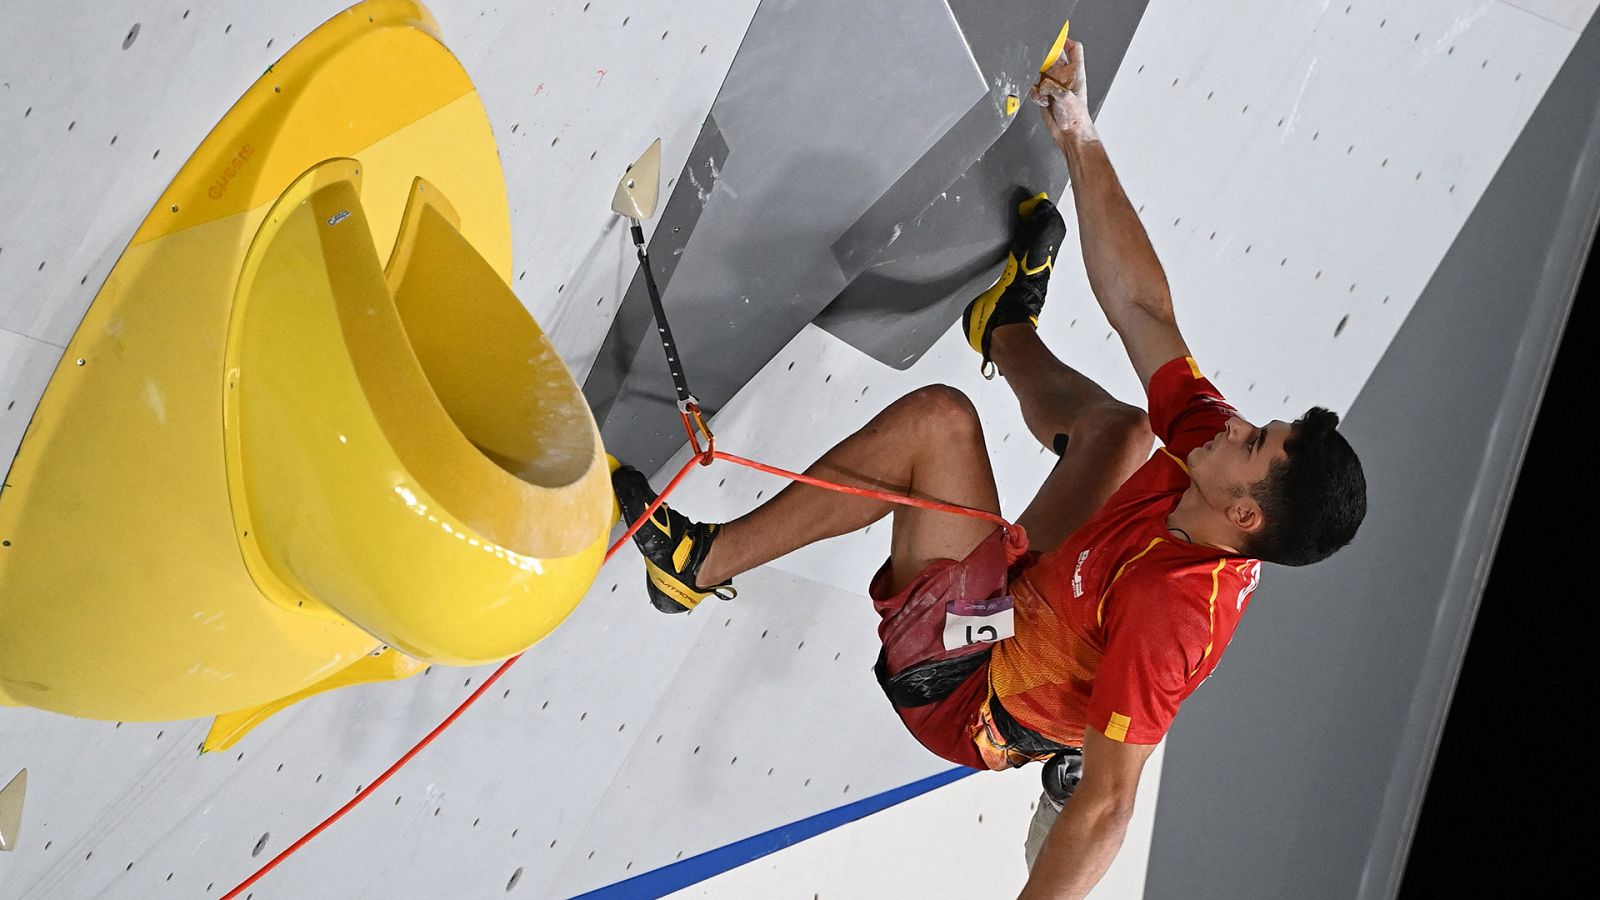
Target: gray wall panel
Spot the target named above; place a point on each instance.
(956, 205)
(1300, 771)
(902, 114)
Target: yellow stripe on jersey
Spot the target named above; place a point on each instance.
(1194, 368)
(1117, 728)
(1212, 607)
(1100, 611)
(1175, 459)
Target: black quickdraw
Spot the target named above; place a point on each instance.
(694, 421)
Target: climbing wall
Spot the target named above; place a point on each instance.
(1303, 170)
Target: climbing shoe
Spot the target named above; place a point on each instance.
(673, 547)
(1019, 294)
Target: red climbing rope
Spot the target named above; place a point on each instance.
(693, 421)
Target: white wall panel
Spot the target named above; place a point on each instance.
(1299, 164)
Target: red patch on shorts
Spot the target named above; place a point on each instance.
(912, 632)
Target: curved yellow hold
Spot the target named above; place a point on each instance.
(1056, 48)
(128, 587)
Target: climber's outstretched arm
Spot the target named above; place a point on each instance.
(1124, 273)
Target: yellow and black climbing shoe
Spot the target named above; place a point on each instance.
(1019, 294)
(673, 547)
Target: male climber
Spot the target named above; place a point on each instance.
(1142, 565)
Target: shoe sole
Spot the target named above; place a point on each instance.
(978, 311)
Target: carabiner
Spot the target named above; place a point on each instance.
(694, 420)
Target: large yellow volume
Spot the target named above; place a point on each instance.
(418, 461)
(270, 463)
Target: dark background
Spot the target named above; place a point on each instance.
(1509, 807)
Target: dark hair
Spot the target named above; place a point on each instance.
(1313, 502)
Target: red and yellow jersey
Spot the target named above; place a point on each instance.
(1121, 622)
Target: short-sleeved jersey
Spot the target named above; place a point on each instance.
(1121, 622)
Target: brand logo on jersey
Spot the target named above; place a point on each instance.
(1077, 575)
(1253, 578)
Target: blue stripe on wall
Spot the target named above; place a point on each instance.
(679, 875)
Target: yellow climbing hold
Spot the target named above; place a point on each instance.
(1056, 48)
